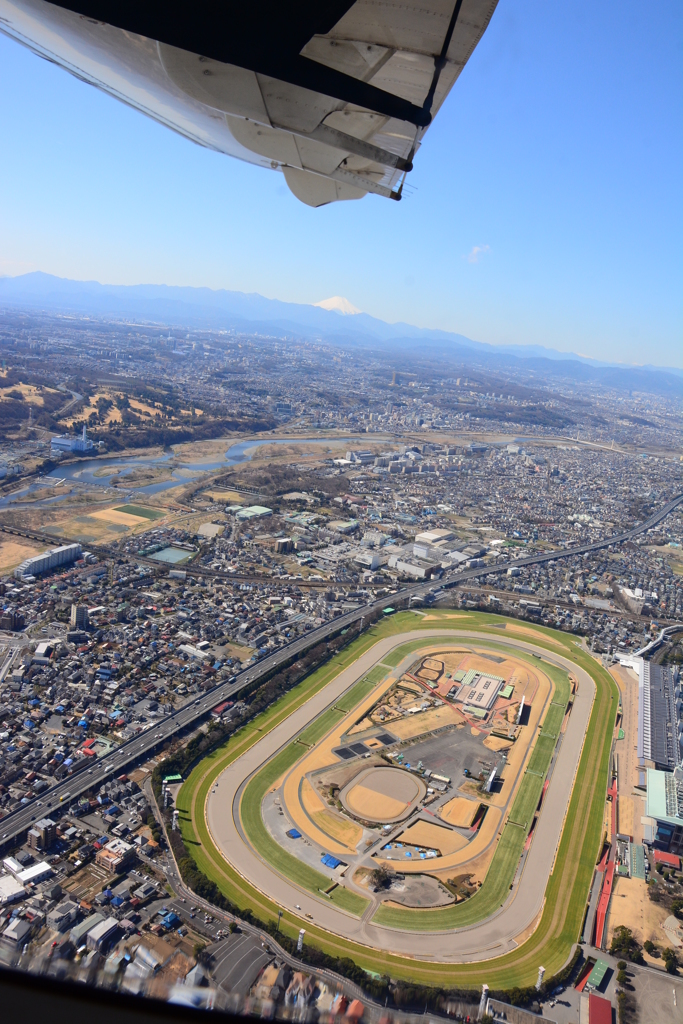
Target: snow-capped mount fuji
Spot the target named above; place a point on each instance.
(338, 304)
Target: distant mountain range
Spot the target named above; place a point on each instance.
(177, 307)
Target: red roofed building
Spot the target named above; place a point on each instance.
(599, 1010)
(221, 709)
(670, 859)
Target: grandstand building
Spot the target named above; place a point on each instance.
(660, 770)
(663, 822)
(658, 723)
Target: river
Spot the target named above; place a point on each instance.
(84, 470)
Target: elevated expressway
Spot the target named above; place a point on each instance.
(143, 746)
(499, 933)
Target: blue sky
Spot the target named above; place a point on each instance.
(545, 206)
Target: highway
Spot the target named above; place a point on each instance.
(143, 746)
(664, 634)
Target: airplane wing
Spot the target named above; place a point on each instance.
(336, 94)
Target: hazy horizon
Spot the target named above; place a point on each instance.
(347, 314)
(544, 207)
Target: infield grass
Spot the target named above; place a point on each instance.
(529, 793)
(490, 897)
(552, 723)
(287, 863)
(348, 701)
(317, 729)
(563, 687)
(396, 657)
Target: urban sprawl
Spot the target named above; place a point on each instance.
(179, 508)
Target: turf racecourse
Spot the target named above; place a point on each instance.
(567, 889)
(493, 893)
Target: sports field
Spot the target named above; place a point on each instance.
(568, 885)
(140, 512)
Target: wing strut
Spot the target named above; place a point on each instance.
(440, 61)
(349, 143)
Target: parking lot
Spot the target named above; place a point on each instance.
(450, 752)
(236, 958)
(237, 961)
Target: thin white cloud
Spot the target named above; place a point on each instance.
(477, 252)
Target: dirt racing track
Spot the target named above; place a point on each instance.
(500, 932)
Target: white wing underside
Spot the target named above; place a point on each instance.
(327, 149)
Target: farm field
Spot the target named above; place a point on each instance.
(13, 551)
